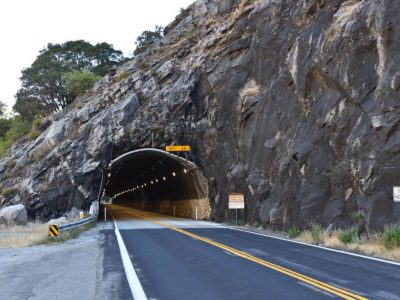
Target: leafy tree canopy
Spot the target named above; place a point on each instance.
(44, 83)
(2, 108)
(148, 39)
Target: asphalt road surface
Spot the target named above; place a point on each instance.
(184, 259)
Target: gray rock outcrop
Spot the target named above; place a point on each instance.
(295, 103)
(13, 215)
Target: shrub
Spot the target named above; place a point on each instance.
(294, 232)
(391, 236)
(37, 122)
(122, 76)
(348, 236)
(5, 192)
(79, 82)
(256, 223)
(357, 216)
(19, 128)
(316, 231)
(147, 39)
(4, 145)
(241, 222)
(33, 134)
(143, 65)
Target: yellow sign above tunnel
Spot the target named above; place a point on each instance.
(177, 148)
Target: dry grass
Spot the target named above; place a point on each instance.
(241, 9)
(370, 245)
(251, 89)
(22, 236)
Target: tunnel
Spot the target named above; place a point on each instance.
(158, 181)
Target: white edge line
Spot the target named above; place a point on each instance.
(316, 246)
(133, 280)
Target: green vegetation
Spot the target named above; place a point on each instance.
(256, 223)
(391, 236)
(147, 39)
(18, 128)
(349, 236)
(79, 82)
(123, 75)
(316, 231)
(60, 73)
(294, 232)
(357, 217)
(5, 192)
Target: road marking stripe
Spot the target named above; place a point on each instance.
(316, 246)
(133, 280)
(319, 284)
(302, 243)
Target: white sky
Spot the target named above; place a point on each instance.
(27, 26)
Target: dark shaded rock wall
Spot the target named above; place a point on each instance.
(294, 103)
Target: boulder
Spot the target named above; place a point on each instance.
(13, 215)
(73, 213)
(58, 221)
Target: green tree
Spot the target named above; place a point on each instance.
(148, 39)
(30, 107)
(5, 125)
(44, 81)
(79, 82)
(2, 108)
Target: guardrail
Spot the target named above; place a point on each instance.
(71, 225)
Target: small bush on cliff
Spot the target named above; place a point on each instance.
(348, 236)
(391, 236)
(147, 39)
(78, 82)
(294, 232)
(5, 192)
(357, 217)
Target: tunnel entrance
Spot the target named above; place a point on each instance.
(155, 180)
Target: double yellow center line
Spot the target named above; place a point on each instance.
(311, 281)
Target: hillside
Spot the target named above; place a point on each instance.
(295, 103)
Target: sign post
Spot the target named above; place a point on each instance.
(396, 193)
(236, 201)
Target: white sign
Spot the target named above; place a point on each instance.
(396, 193)
(236, 201)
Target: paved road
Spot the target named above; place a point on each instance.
(184, 259)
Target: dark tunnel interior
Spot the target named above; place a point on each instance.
(158, 181)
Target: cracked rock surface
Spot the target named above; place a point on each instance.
(294, 103)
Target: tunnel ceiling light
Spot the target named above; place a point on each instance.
(156, 180)
(152, 182)
(145, 184)
(164, 178)
(184, 170)
(173, 174)
(109, 175)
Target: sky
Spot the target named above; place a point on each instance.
(27, 26)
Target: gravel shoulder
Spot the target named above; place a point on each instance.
(88, 267)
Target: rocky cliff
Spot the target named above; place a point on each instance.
(295, 103)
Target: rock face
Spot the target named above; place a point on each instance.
(294, 103)
(13, 215)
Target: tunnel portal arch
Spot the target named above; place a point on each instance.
(155, 180)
